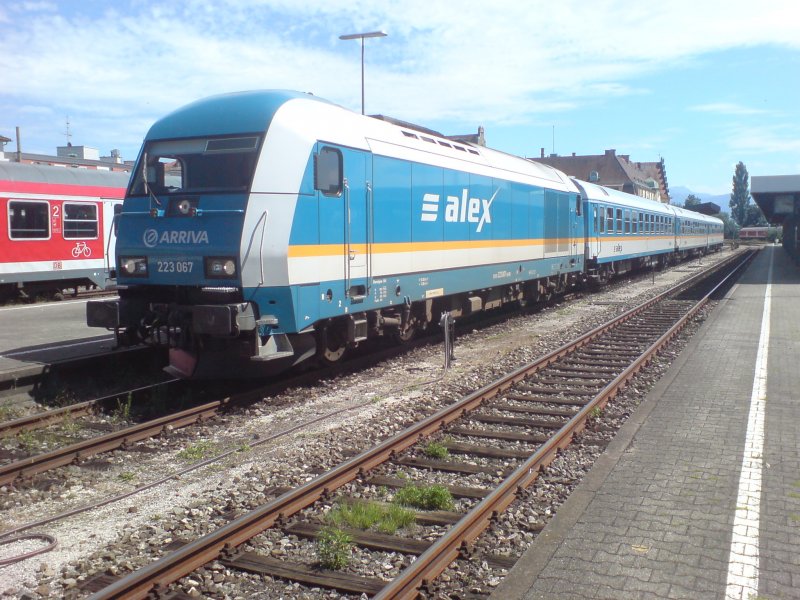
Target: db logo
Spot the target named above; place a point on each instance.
(150, 238)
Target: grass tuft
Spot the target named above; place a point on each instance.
(427, 497)
(436, 450)
(334, 548)
(198, 451)
(371, 515)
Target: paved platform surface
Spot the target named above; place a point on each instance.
(699, 494)
(34, 335)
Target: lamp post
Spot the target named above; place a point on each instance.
(361, 36)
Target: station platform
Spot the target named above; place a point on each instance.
(698, 496)
(34, 336)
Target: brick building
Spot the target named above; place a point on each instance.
(617, 171)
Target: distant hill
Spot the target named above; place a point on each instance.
(680, 193)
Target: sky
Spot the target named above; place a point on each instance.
(702, 84)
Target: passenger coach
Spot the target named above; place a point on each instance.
(56, 228)
(626, 232)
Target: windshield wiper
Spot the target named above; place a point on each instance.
(150, 194)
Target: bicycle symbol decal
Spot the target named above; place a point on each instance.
(81, 248)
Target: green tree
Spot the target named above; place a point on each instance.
(691, 200)
(731, 229)
(754, 217)
(740, 197)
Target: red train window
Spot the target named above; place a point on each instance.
(28, 220)
(80, 221)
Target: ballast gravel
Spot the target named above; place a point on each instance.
(364, 408)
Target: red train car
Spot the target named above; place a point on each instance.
(56, 228)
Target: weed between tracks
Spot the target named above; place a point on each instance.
(371, 515)
(198, 451)
(7, 412)
(334, 548)
(123, 410)
(425, 497)
(436, 450)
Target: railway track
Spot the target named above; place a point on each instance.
(525, 417)
(25, 468)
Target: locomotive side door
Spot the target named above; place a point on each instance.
(357, 248)
(345, 215)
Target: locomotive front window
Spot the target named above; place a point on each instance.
(196, 165)
(28, 220)
(80, 221)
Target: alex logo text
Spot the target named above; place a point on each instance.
(459, 210)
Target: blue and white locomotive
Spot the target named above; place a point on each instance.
(261, 229)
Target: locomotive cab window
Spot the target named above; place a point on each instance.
(80, 221)
(28, 220)
(196, 165)
(328, 177)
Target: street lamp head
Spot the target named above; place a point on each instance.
(356, 36)
(362, 36)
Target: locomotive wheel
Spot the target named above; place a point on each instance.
(331, 345)
(403, 336)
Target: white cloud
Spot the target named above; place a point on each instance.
(121, 68)
(765, 140)
(727, 108)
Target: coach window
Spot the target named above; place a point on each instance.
(80, 221)
(619, 220)
(328, 171)
(602, 219)
(28, 220)
(610, 220)
(627, 220)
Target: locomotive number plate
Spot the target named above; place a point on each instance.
(174, 266)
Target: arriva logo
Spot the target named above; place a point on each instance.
(459, 210)
(151, 237)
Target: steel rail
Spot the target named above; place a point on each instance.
(447, 548)
(156, 576)
(38, 464)
(80, 409)
(64, 456)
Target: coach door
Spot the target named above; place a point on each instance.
(598, 225)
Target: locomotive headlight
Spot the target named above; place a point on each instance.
(220, 267)
(184, 207)
(133, 266)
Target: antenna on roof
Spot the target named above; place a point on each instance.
(68, 133)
